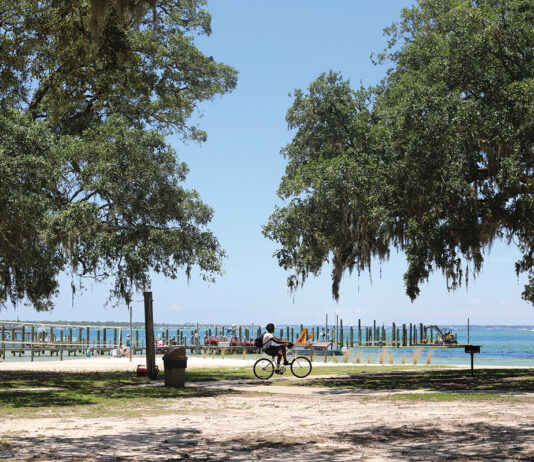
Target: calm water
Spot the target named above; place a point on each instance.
(500, 345)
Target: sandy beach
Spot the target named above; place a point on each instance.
(247, 420)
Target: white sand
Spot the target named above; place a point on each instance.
(108, 363)
(269, 422)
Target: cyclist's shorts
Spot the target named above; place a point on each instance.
(273, 350)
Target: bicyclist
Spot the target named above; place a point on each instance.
(274, 346)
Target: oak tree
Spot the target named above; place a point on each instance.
(89, 91)
(437, 160)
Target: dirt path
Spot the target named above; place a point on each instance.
(270, 422)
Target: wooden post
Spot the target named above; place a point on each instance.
(393, 334)
(292, 334)
(351, 336)
(115, 334)
(410, 337)
(421, 332)
(70, 341)
(136, 338)
(61, 344)
(359, 332)
(149, 335)
(31, 344)
(404, 335)
(3, 344)
(341, 333)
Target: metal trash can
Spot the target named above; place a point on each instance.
(175, 362)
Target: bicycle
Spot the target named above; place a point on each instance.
(300, 367)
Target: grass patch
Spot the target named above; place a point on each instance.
(89, 394)
(507, 380)
(436, 397)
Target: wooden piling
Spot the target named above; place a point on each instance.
(149, 335)
(61, 344)
(341, 333)
(410, 336)
(3, 333)
(31, 344)
(359, 332)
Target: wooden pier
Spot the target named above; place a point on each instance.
(60, 340)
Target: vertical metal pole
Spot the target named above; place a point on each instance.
(149, 335)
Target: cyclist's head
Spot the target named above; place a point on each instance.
(270, 327)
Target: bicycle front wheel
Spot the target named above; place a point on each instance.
(301, 367)
(263, 369)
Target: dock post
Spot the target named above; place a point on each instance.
(31, 344)
(421, 332)
(359, 332)
(287, 332)
(136, 339)
(292, 334)
(61, 344)
(341, 333)
(373, 338)
(70, 340)
(410, 337)
(404, 335)
(98, 340)
(114, 338)
(351, 336)
(3, 344)
(393, 334)
(239, 333)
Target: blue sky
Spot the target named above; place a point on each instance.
(279, 46)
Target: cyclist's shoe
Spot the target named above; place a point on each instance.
(278, 371)
(286, 363)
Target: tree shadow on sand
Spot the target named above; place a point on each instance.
(513, 380)
(477, 442)
(481, 441)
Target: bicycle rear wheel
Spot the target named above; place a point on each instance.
(263, 369)
(301, 367)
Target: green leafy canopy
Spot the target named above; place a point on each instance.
(88, 93)
(437, 160)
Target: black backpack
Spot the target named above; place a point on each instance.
(258, 341)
